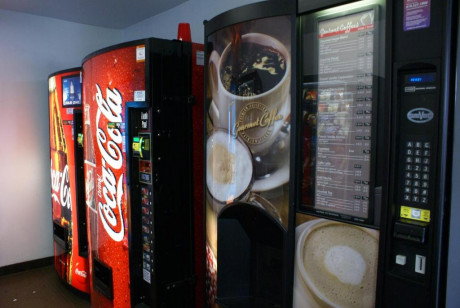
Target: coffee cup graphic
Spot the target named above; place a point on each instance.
(229, 168)
(253, 101)
(335, 265)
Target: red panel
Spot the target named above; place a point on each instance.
(109, 81)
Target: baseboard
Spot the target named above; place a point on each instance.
(24, 266)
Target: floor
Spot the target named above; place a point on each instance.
(38, 288)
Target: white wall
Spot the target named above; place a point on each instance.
(193, 11)
(31, 48)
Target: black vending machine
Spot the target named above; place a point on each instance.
(376, 200)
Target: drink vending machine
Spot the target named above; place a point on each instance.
(248, 118)
(138, 169)
(376, 203)
(67, 179)
(348, 198)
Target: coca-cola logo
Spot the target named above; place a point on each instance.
(109, 142)
(60, 186)
(80, 273)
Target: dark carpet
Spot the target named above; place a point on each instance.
(38, 288)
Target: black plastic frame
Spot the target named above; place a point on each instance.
(82, 229)
(378, 106)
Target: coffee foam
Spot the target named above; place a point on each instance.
(229, 167)
(329, 260)
(346, 264)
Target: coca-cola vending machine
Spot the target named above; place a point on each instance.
(137, 101)
(67, 182)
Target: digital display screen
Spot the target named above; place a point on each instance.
(421, 78)
(144, 177)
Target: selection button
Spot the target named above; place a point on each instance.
(400, 259)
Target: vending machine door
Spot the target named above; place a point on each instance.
(250, 75)
(67, 186)
(138, 169)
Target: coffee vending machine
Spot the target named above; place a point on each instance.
(67, 180)
(249, 65)
(377, 154)
(138, 168)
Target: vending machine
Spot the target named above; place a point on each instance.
(376, 206)
(137, 101)
(248, 212)
(67, 180)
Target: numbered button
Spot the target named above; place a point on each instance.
(416, 191)
(425, 177)
(424, 192)
(408, 175)
(407, 190)
(424, 184)
(416, 184)
(417, 168)
(416, 176)
(407, 182)
(408, 167)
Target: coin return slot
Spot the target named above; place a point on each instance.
(411, 231)
(60, 235)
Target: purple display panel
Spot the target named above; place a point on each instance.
(416, 14)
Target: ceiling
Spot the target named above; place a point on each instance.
(116, 14)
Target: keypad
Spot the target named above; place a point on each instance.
(416, 171)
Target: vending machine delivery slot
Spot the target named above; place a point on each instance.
(103, 278)
(250, 277)
(60, 235)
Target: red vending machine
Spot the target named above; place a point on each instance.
(67, 182)
(139, 173)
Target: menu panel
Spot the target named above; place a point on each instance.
(344, 115)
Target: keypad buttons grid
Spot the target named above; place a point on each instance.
(416, 171)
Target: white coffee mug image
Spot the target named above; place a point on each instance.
(335, 265)
(258, 118)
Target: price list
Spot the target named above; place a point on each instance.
(344, 121)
